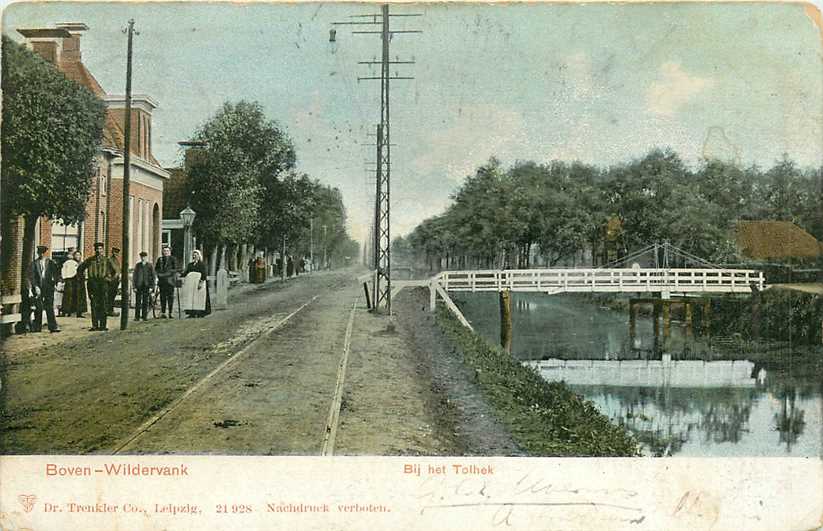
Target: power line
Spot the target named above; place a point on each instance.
(381, 237)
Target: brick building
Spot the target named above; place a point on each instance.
(103, 220)
(61, 46)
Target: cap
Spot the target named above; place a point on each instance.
(115, 249)
(143, 253)
(99, 244)
(42, 248)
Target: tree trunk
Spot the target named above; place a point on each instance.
(222, 264)
(213, 265)
(28, 249)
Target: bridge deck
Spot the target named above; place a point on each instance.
(642, 280)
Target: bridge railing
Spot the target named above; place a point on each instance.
(604, 280)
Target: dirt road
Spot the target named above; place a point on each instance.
(259, 378)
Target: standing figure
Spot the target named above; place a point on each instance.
(114, 282)
(143, 281)
(99, 273)
(166, 269)
(74, 290)
(44, 277)
(290, 266)
(198, 266)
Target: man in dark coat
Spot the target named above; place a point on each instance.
(99, 273)
(166, 269)
(44, 276)
(143, 282)
(114, 282)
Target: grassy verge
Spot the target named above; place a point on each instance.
(545, 419)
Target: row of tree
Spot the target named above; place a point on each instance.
(566, 212)
(243, 183)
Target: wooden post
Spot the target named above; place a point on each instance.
(667, 323)
(656, 325)
(632, 322)
(689, 321)
(707, 318)
(432, 295)
(756, 313)
(506, 320)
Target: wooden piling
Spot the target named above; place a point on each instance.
(506, 320)
(667, 323)
(689, 321)
(706, 318)
(755, 313)
(656, 325)
(632, 322)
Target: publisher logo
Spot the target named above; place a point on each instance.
(27, 501)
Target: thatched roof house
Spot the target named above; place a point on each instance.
(775, 240)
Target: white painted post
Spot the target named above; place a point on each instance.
(432, 295)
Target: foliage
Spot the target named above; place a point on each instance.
(51, 131)
(554, 212)
(245, 188)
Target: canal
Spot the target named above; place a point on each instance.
(682, 408)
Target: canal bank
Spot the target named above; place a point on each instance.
(544, 419)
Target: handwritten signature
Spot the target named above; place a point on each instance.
(528, 492)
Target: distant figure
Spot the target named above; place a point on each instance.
(290, 266)
(301, 266)
(166, 271)
(143, 280)
(99, 273)
(114, 282)
(44, 276)
(74, 290)
(197, 265)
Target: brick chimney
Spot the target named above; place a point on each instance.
(46, 42)
(71, 44)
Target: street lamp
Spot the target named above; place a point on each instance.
(187, 215)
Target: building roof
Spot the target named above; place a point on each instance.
(767, 239)
(174, 193)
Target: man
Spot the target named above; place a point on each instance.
(44, 277)
(143, 281)
(99, 273)
(166, 269)
(114, 282)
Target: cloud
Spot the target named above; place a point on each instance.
(476, 133)
(673, 89)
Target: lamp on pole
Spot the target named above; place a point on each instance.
(187, 215)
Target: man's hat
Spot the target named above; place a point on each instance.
(99, 244)
(143, 253)
(115, 249)
(42, 249)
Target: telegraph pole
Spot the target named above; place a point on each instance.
(124, 265)
(382, 207)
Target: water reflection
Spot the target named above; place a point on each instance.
(682, 413)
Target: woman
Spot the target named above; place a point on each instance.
(198, 266)
(74, 289)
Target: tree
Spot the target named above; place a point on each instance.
(51, 132)
(235, 173)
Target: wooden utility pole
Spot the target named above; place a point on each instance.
(124, 265)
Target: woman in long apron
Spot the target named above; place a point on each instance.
(198, 266)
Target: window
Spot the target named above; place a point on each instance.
(64, 237)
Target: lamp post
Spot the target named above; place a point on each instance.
(187, 215)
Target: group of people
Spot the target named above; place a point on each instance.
(98, 278)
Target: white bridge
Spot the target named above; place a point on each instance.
(623, 280)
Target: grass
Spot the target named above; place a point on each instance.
(545, 419)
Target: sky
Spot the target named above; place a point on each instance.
(599, 83)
